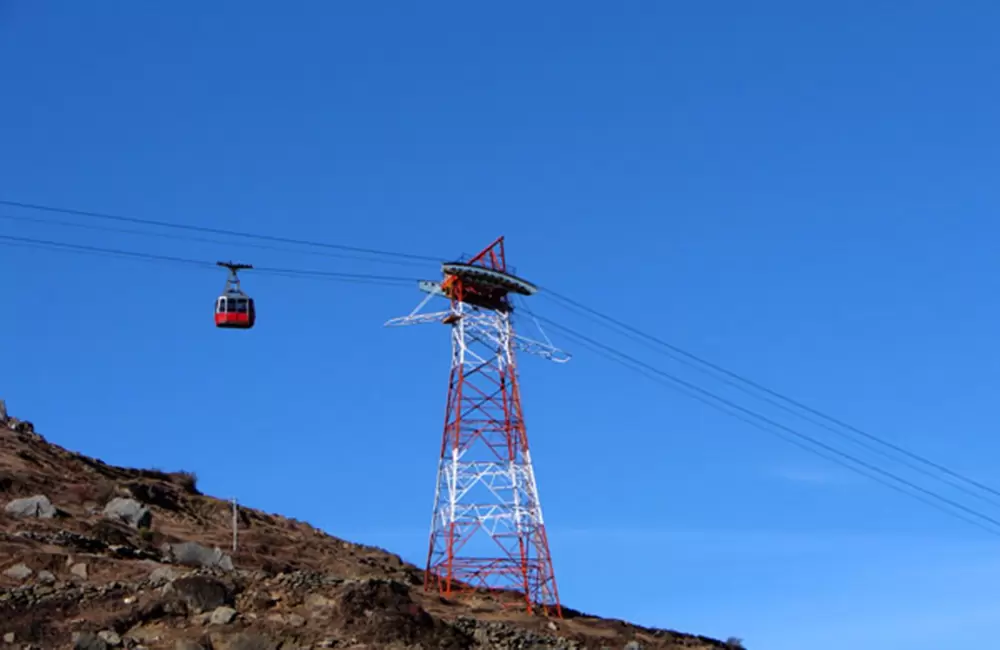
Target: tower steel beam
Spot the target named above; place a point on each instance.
(487, 530)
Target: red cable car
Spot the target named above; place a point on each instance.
(234, 309)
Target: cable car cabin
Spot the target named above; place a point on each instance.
(235, 311)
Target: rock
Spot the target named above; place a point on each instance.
(23, 426)
(18, 572)
(110, 637)
(294, 620)
(111, 532)
(9, 637)
(496, 634)
(79, 570)
(194, 554)
(200, 593)
(88, 641)
(154, 495)
(633, 645)
(317, 601)
(162, 575)
(46, 577)
(151, 634)
(382, 613)
(129, 511)
(223, 616)
(34, 506)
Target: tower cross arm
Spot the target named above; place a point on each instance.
(544, 350)
(477, 323)
(518, 342)
(417, 319)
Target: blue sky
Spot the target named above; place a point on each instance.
(803, 192)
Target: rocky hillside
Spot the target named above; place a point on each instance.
(94, 556)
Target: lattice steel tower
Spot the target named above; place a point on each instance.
(487, 529)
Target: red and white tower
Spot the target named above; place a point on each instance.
(487, 529)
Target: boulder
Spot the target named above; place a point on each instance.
(382, 613)
(162, 575)
(196, 555)
(129, 511)
(33, 506)
(200, 593)
(223, 616)
(154, 494)
(18, 572)
(88, 641)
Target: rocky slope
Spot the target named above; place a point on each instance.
(94, 556)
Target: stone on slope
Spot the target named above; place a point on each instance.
(33, 506)
(194, 554)
(18, 572)
(223, 615)
(129, 511)
(200, 593)
(88, 641)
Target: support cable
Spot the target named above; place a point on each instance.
(766, 424)
(207, 240)
(287, 272)
(218, 231)
(742, 383)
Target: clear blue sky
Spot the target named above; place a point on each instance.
(803, 192)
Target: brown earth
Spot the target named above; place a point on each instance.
(74, 576)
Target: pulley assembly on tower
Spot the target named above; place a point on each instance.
(482, 290)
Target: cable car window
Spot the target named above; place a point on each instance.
(241, 305)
